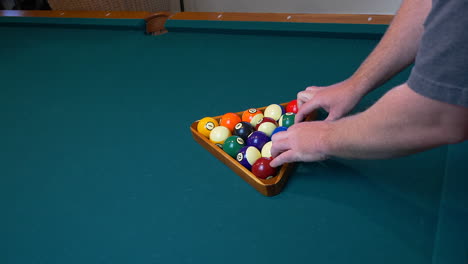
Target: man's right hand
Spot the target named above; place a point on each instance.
(337, 99)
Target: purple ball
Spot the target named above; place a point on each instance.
(247, 156)
(257, 139)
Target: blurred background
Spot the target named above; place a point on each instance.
(260, 6)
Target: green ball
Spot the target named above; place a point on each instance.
(232, 145)
(287, 119)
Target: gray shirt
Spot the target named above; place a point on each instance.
(441, 67)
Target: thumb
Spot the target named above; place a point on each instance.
(332, 116)
(305, 110)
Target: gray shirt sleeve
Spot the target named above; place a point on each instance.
(441, 67)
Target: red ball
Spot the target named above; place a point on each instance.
(262, 169)
(266, 119)
(292, 107)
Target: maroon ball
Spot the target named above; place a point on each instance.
(262, 169)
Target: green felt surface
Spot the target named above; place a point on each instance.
(97, 164)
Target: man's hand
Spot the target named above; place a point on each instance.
(301, 142)
(402, 122)
(338, 100)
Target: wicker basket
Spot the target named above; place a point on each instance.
(110, 5)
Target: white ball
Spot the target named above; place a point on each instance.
(267, 128)
(219, 134)
(274, 111)
(266, 150)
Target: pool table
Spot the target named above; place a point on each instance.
(98, 165)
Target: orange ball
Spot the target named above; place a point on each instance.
(229, 120)
(249, 114)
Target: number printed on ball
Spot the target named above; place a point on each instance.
(209, 125)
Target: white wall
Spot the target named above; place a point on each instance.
(291, 6)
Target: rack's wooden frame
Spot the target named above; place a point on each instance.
(268, 187)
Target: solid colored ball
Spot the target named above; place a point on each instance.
(243, 130)
(266, 150)
(229, 120)
(247, 156)
(262, 169)
(232, 145)
(219, 134)
(287, 119)
(291, 107)
(279, 129)
(274, 111)
(249, 114)
(257, 139)
(267, 126)
(205, 125)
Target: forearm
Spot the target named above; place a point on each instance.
(400, 123)
(397, 49)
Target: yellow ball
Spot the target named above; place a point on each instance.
(219, 134)
(205, 125)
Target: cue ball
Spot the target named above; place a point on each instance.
(274, 111)
(219, 134)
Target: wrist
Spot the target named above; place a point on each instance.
(361, 83)
(326, 142)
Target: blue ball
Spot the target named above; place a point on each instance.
(279, 129)
(257, 139)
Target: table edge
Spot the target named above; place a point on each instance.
(210, 16)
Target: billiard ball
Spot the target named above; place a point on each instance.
(266, 125)
(266, 150)
(262, 169)
(256, 119)
(247, 156)
(274, 111)
(243, 130)
(229, 120)
(279, 129)
(257, 139)
(232, 145)
(291, 107)
(287, 120)
(250, 113)
(219, 134)
(205, 125)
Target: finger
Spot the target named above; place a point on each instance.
(279, 146)
(312, 88)
(279, 136)
(332, 116)
(285, 157)
(305, 110)
(303, 97)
